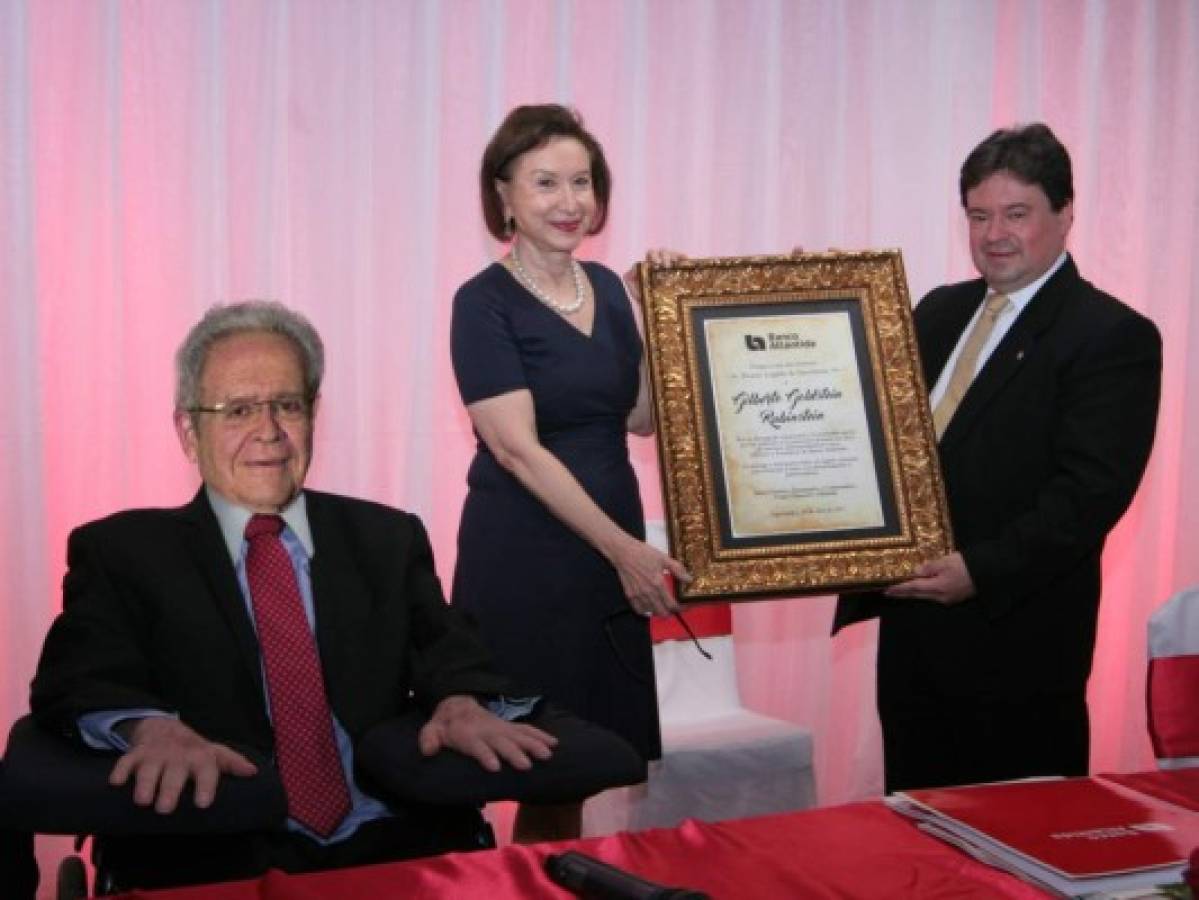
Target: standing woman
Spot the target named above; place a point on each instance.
(552, 561)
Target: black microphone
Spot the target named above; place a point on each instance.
(593, 880)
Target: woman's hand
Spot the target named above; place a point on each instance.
(642, 570)
(656, 256)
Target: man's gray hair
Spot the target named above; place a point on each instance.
(225, 320)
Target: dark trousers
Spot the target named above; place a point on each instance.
(933, 742)
(172, 861)
(18, 865)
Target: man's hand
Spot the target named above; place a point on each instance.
(943, 580)
(164, 754)
(461, 724)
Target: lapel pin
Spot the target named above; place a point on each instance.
(1019, 355)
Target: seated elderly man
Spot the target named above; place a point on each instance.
(268, 618)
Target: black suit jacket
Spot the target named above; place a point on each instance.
(153, 617)
(1041, 459)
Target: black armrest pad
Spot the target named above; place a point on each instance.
(51, 785)
(587, 760)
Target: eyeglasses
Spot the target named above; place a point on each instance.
(285, 408)
(620, 618)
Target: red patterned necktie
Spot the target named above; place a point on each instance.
(317, 795)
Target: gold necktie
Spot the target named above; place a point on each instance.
(963, 371)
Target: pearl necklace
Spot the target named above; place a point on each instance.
(565, 309)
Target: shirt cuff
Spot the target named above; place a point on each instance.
(512, 708)
(98, 729)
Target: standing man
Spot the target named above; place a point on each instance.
(1044, 397)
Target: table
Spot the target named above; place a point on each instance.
(859, 850)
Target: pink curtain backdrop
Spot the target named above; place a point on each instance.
(157, 156)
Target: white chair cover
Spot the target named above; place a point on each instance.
(1173, 694)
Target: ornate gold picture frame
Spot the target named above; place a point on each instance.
(796, 445)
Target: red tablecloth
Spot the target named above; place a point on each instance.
(858, 850)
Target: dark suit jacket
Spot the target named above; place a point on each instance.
(153, 617)
(1041, 459)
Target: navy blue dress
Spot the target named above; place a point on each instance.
(551, 606)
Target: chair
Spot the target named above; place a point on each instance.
(586, 760)
(53, 786)
(17, 861)
(1172, 692)
(719, 759)
(49, 785)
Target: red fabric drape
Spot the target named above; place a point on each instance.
(861, 850)
(1173, 689)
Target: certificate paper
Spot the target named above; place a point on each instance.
(794, 444)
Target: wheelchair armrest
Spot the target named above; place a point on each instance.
(51, 785)
(587, 760)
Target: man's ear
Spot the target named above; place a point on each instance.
(185, 430)
(1066, 217)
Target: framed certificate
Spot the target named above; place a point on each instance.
(796, 443)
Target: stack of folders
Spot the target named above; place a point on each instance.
(1073, 837)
